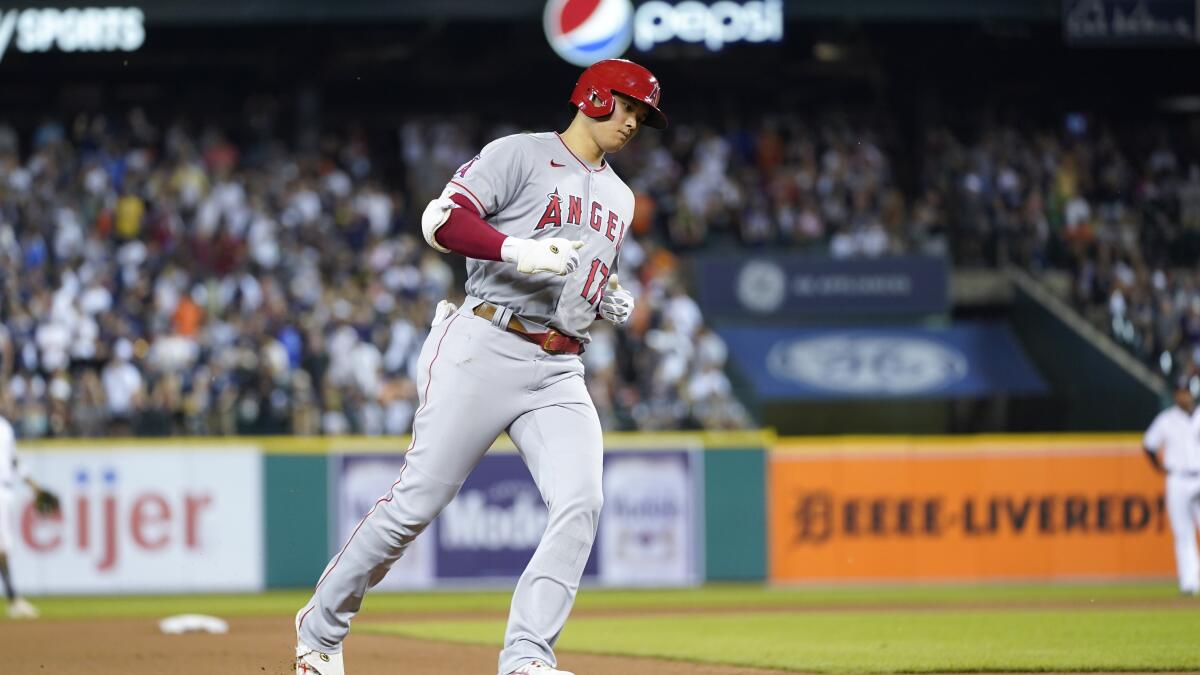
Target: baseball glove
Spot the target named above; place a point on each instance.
(46, 503)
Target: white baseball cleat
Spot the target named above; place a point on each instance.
(21, 609)
(538, 668)
(312, 662)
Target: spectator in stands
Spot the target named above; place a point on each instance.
(165, 279)
(1120, 217)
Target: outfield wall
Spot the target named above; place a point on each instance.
(967, 509)
(205, 515)
(181, 515)
(139, 518)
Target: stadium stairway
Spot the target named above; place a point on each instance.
(1095, 384)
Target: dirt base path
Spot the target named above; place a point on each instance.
(261, 646)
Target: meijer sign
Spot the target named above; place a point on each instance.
(139, 521)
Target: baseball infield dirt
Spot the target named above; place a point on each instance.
(258, 646)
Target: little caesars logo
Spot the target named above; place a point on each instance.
(91, 29)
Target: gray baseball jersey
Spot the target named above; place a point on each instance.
(532, 186)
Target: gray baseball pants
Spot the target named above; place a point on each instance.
(476, 380)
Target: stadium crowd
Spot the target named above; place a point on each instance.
(162, 280)
(822, 185)
(1117, 209)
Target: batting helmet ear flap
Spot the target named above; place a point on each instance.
(593, 92)
(596, 102)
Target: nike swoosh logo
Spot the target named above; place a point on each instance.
(556, 164)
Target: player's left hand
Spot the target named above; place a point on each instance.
(617, 304)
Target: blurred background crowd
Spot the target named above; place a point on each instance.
(163, 278)
(1118, 209)
(160, 279)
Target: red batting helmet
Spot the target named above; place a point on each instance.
(594, 91)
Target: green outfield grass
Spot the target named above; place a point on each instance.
(879, 641)
(716, 596)
(1025, 627)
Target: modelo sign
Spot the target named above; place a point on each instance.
(90, 29)
(583, 32)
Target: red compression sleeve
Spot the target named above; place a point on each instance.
(466, 233)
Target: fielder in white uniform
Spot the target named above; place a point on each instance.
(1173, 445)
(12, 473)
(541, 218)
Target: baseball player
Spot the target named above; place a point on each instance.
(1172, 444)
(541, 218)
(46, 502)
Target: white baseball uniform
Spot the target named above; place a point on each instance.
(1176, 435)
(477, 379)
(12, 473)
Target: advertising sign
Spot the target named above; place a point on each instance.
(966, 509)
(1130, 22)
(362, 481)
(647, 535)
(966, 359)
(493, 526)
(90, 29)
(764, 285)
(648, 527)
(583, 32)
(137, 521)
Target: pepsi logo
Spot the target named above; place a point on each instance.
(583, 32)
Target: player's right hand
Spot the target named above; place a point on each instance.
(555, 255)
(617, 304)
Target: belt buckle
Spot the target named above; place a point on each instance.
(550, 335)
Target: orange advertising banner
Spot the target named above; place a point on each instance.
(973, 508)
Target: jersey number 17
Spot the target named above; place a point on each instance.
(590, 293)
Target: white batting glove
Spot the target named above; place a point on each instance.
(555, 255)
(617, 304)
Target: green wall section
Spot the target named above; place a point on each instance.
(735, 515)
(296, 493)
